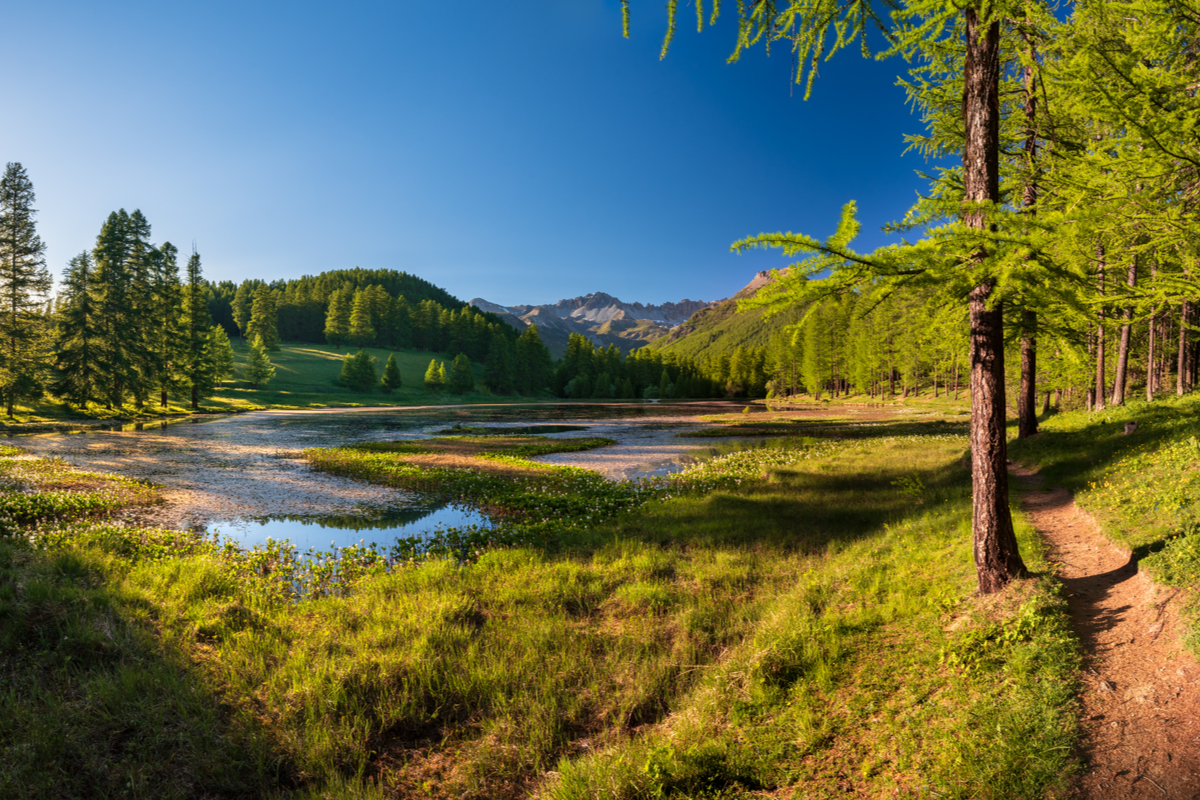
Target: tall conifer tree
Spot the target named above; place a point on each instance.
(115, 361)
(337, 319)
(264, 318)
(24, 283)
(362, 331)
(79, 335)
(197, 372)
(164, 327)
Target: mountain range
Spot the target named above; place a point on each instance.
(689, 327)
(600, 317)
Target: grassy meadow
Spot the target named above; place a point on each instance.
(797, 620)
(305, 377)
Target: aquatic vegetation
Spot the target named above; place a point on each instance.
(41, 489)
(771, 618)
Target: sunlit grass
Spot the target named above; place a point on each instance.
(795, 620)
(1143, 488)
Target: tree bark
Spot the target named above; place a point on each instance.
(1027, 401)
(1118, 393)
(1181, 361)
(1098, 398)
(997, 560)
(1150, 362)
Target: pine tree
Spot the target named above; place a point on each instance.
(435, 376)
(24, 283)
(196, 364)
(111, 286)
(241, 306)
(462, 380)
(337, 319)
(220, 351)
(498, 369)
(264, 318)
(532, 365)
(390, 381)
(79, 334)
(259, 369)
(362, 332)
(141, 348)
(164, 327)
(358, 371)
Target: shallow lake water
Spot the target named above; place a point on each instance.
(240, 474)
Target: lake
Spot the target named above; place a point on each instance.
(239, 475)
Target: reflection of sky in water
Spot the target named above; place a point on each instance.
(320, 532)
(229, 469)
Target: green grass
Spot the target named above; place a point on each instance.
(1143, 489)
(305, 377)
(796, 620)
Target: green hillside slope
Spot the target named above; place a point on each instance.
(720, 329)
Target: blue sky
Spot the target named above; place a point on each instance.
(521, 152)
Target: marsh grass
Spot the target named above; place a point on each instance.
(796, 621)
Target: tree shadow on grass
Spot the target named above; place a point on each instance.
(808, 510)
(93, 705)
(1072, 458)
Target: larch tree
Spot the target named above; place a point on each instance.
(816, 29)
(24, 284)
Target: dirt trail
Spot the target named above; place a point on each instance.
(1141, 693)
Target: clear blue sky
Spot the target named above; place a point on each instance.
(522, 152)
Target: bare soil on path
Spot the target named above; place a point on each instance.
(1141, 689)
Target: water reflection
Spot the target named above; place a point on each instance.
(370, 526)
(240, 472)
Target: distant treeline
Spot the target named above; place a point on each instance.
(361, 307)
(843, 346)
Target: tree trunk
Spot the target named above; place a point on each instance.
(997, 560)
(1098, 392)
(196, 397)
(1046, 403)
(1150, 362)
(1118, 393)
(1026, 409)
(1026, 402)
(1181, 361)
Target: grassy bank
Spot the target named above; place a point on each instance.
(305, 377)
(798, 620)
(1143, 488)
